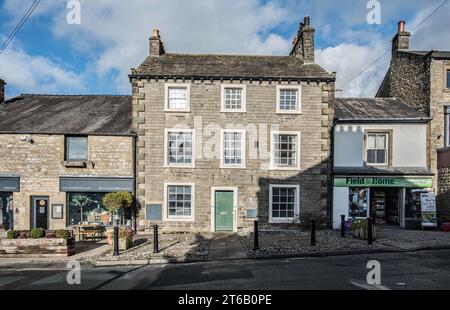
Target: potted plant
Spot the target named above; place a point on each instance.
(81, 201)
(118, 201)
(125, 239)
(445, 223)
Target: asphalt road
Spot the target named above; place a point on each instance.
(420, 270)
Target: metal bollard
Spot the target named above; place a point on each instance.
(116, 241)
(369, 231)
(313, 232)
(155, 239)
(255, 236)
(342, 226)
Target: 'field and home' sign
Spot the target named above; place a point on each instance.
(383, 182)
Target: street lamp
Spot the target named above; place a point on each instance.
(116, 234)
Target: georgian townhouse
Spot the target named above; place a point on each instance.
(223, 140)
(54, 148)
(380, 165)
(422, 80)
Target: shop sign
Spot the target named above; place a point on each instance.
(428, 208)
(383, 182)
(9, 184)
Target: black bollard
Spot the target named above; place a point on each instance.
(116, 240)
(255, 237)
(342, 226)
(155, 239)
(369, 231)
(313, 232)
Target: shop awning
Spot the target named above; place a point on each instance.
(383, 181)
(96, 185)
(382, 171)
(9, 184)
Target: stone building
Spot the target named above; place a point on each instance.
(422, 80)
(223, 140)
(54, 148)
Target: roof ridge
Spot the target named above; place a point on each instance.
(232, 55)
(73, 95)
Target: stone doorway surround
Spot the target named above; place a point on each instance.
(214, 189)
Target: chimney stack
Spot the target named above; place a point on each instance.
(2, 90)
(303, 44)
(401, 39)
(156, 45)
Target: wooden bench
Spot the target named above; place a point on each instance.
(93, 231)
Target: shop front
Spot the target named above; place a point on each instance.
(84, 199)
(8, 185)
(389, 200)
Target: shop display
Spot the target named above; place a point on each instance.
(379, 207)
(359, 203)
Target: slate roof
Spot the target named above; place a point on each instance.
(375, 109)
(229, 66)
(61, 114)
(369, 170)
(434, 54)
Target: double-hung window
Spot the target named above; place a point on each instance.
(377, 148)
(284, 203)
(179, 201)
(232, 149)
(177, 98)
(180, 148)
(233, 98)
(76, 148)
(285, 150)
(289, 99)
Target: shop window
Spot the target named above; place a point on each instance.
(87, 207)
(359, 202)
(284, 203)
(377, 149)
(76, 148)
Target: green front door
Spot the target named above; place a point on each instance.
(224, 211)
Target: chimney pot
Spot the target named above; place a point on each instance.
(155, 33)
(156, 45)
(306, 20)
(401, 26)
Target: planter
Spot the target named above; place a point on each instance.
(124, 243)
(110, 236)
(361, 233)
(445, 226)
(42, 247)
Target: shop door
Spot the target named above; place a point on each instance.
(40, 212)
(224, 211)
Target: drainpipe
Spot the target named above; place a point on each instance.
(331, 191)
(134, 211)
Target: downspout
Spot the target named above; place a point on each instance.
(331, 191)
(134, 211)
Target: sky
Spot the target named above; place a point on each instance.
(49, 55)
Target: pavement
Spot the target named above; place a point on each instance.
(428, 270)
(225, 247)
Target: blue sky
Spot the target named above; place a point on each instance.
(50, 56)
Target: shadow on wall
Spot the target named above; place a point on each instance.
(443, 192)
(315, 197)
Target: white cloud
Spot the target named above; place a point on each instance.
(36, 74)
(348, 60)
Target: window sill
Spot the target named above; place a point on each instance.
(284, 168)
(75, 164)
(179, 219)
(289, 112)
(233, 111)
(180, 166)
(177, 111)
(284, 221)
(232, 167)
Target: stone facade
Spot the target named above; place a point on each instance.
(419, 79)
(39, 161)
(150, 122)
(443, 197)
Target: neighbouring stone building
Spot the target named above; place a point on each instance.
(422, 80)
(53, 148)
(223, 140)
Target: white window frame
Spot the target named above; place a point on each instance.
(166, 97)
(243, 149)
(167, 164)
(387, 148)
(243, 108)
(296, 217)
(166, 217)
(273, 166)
(298, 88)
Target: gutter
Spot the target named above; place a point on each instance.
(384, 120)
(327, 79)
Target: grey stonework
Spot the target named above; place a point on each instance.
(2, 90)
(303, 47)
(419, 78)
(314, 123)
